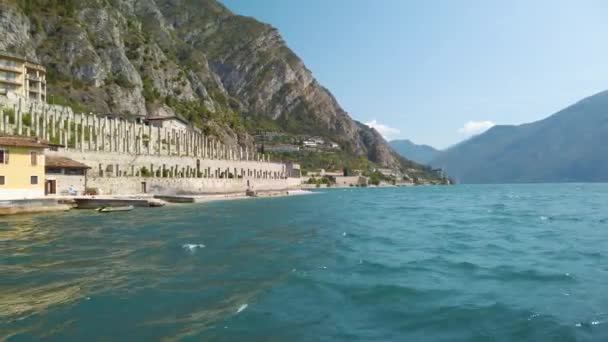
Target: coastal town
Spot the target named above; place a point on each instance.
(53, 158)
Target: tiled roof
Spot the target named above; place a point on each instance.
(22, 141)
(66, 163)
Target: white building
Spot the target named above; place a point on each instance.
(169, 122)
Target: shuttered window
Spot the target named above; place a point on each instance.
(3, 156)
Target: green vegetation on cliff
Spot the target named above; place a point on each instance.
(228, 74)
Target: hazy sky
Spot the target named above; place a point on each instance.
(437, 71)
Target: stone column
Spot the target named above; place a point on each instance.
(34, 122)
(149, 147)
(204, 147)
(45, 118)
(126, 138)
(54, 123)
(102, 133)
(39, 123)
(194, 148)
(168, 135)
(96, 131)
(62, 138)
(82, 132)
(178, 142)
(116, 134)
(184, 140)
(188, 143)
(19, 119)
(159, 140)
(120, 136)
(69, 131)
(139, 140)
(110, 137)
(89, 130)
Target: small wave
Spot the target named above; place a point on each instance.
(587, 324)
(512, 273)
(241, 308)
(388, 293)
(190, 247)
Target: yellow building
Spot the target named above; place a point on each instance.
(21, 167)
(22, 77)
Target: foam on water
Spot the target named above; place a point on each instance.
(192, 247)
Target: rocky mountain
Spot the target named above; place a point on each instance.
(227, 74)
(569, 146)
(422, 154)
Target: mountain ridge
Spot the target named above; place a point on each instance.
(419, 153)
(227, 74)
(564, 147)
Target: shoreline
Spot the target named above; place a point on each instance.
(207, 198)
(67, 203)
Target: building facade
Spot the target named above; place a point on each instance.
(65, 176)
(22, 165)
(128, 156)
(22, 77)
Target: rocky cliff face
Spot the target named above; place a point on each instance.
(192, 57)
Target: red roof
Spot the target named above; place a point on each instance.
(63, 162)
(22, 141)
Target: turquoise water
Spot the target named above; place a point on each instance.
(462, 263)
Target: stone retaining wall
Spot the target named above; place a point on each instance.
(187, 186)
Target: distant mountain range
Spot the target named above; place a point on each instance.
(422, 154)
(569, 146)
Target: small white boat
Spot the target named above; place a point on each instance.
(112, 209)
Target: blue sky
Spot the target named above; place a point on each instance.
(438, 71)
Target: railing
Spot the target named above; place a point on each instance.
(9, 65)
(33, 78)
(30, 65)
(12, 80)
(7, 76)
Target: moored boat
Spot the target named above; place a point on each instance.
(112, 209)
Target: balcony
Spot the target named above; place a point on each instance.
(10, 67)
(11, 80)
(39, 67)
(34, 78)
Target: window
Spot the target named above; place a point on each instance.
(34, 180)
(2, 180)
(34, 157)
(74, 172)
(3, 156)
(53, 170)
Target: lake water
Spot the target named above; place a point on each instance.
(461, 263)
